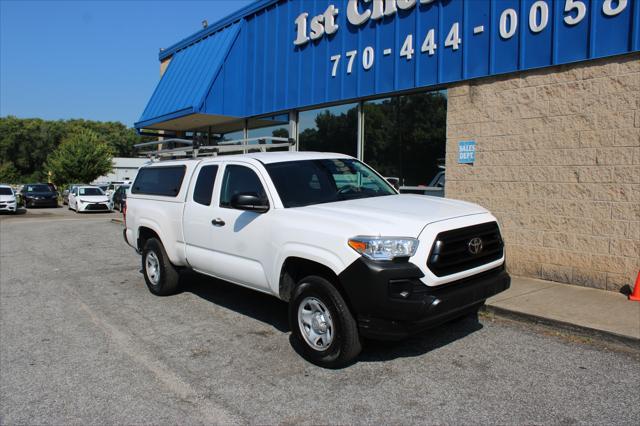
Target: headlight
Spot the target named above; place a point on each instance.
(384, 248)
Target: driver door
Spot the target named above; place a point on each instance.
(237, 242)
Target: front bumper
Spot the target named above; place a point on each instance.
(41, 202)
(390, 301)
(94, 207)
(8, 207)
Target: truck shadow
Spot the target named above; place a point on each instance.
(421, 343)
(274, 312)
(250, 303)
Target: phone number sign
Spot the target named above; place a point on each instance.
(387, 45)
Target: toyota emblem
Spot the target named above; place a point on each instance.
(475, 245)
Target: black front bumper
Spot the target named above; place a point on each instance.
(96, 207)
(41, 202)
(390, 301)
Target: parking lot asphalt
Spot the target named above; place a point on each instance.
(82, 341)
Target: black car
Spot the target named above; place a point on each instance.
(120, 197)
(39, 195)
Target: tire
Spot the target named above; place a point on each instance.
(340, 343)
(163, 280)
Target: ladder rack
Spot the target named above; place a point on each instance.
(193, 150)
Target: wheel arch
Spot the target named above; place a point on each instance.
(144, 234)
(295, 268)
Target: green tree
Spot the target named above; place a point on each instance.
(25, 143)
(8, 173)
(81, 157)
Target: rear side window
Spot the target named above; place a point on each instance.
(240, 180)
(164, 181)
(203, 191)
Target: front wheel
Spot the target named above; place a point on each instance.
(159, 274)
(322, 325)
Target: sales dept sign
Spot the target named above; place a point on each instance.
(466, 152)
(501, 27)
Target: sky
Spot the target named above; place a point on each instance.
(91, 59)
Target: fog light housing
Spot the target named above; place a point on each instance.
(400, 289)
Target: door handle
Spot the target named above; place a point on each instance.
(217, 222)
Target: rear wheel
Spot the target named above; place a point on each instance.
(159, 274)
(322, 326)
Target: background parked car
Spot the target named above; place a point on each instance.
(8, 202)
(39, 195)
(435, 187)
(112, 188)
(119, 198)
(65, 193)
(88, 198)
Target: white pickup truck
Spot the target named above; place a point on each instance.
(325, 233)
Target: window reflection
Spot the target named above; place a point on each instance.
(405, 136)
(332, 129)
(275, 125)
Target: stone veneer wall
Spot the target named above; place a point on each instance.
(558, 163)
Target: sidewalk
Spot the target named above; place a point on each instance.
(588, 309)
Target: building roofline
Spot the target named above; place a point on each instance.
(205, 32)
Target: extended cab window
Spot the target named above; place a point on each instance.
(164, 181)
(240, 180)
(203, 190)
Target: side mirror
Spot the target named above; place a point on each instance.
(249, 202)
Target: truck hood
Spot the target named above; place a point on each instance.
(394, 215)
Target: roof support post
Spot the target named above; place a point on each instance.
(293, 129)
(245, 135)
(360, 133)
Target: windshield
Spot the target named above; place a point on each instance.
(37, 188)
(302, 183)
(90, 191)
(6, 191)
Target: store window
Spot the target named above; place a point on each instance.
(272, 126)
(225, 134)
(275, 125)
(405, 137)
(332, 129)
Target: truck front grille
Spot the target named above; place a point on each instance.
(465, 248)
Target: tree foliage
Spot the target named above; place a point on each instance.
(25, 144)
(8, 172)
(81, 157)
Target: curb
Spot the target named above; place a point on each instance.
(574, 328)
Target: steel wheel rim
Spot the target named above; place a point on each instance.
(152, 266)
(315, 323)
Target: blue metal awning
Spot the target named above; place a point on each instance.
(278, 55)
(183, 88)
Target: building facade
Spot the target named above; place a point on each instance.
(531, 105)
(124, 169)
